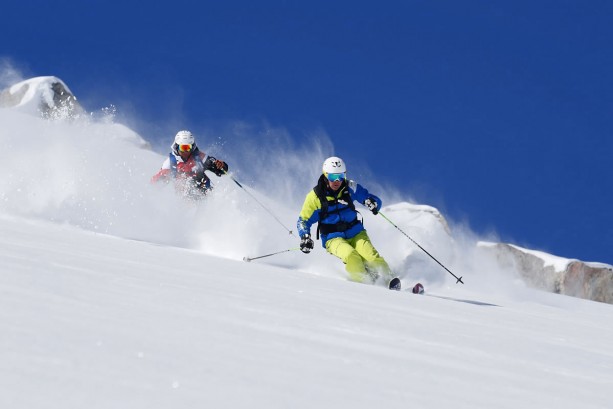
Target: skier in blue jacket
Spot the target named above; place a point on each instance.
(330, 204)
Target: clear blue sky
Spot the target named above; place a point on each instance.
(496, 112)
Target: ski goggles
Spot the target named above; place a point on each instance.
(185, 147)
(335, 177)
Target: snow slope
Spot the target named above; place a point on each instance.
(117, 294)
(91, 320)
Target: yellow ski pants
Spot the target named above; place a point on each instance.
(362, 261)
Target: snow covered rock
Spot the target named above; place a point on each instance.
(419, 215)
(48, 97)
(592, 281)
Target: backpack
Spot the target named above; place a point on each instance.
(320, 192)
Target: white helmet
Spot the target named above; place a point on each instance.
(184, 138)
(334, 165)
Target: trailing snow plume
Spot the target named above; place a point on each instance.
(9, 75)
(95, 174)
(267, 159)
(259, 216)
(86, 174)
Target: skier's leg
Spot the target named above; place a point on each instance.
(354, 263)
(367, 251)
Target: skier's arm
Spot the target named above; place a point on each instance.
(163, 174)
(360, 194)
(309, 214)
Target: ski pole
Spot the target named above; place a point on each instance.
(248, 259)
(258, 202)
(459, 280)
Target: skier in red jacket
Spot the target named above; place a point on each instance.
(185, 166)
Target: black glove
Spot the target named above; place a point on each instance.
(371, 204)
(306, 244)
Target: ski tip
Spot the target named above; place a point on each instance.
(418, 289)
